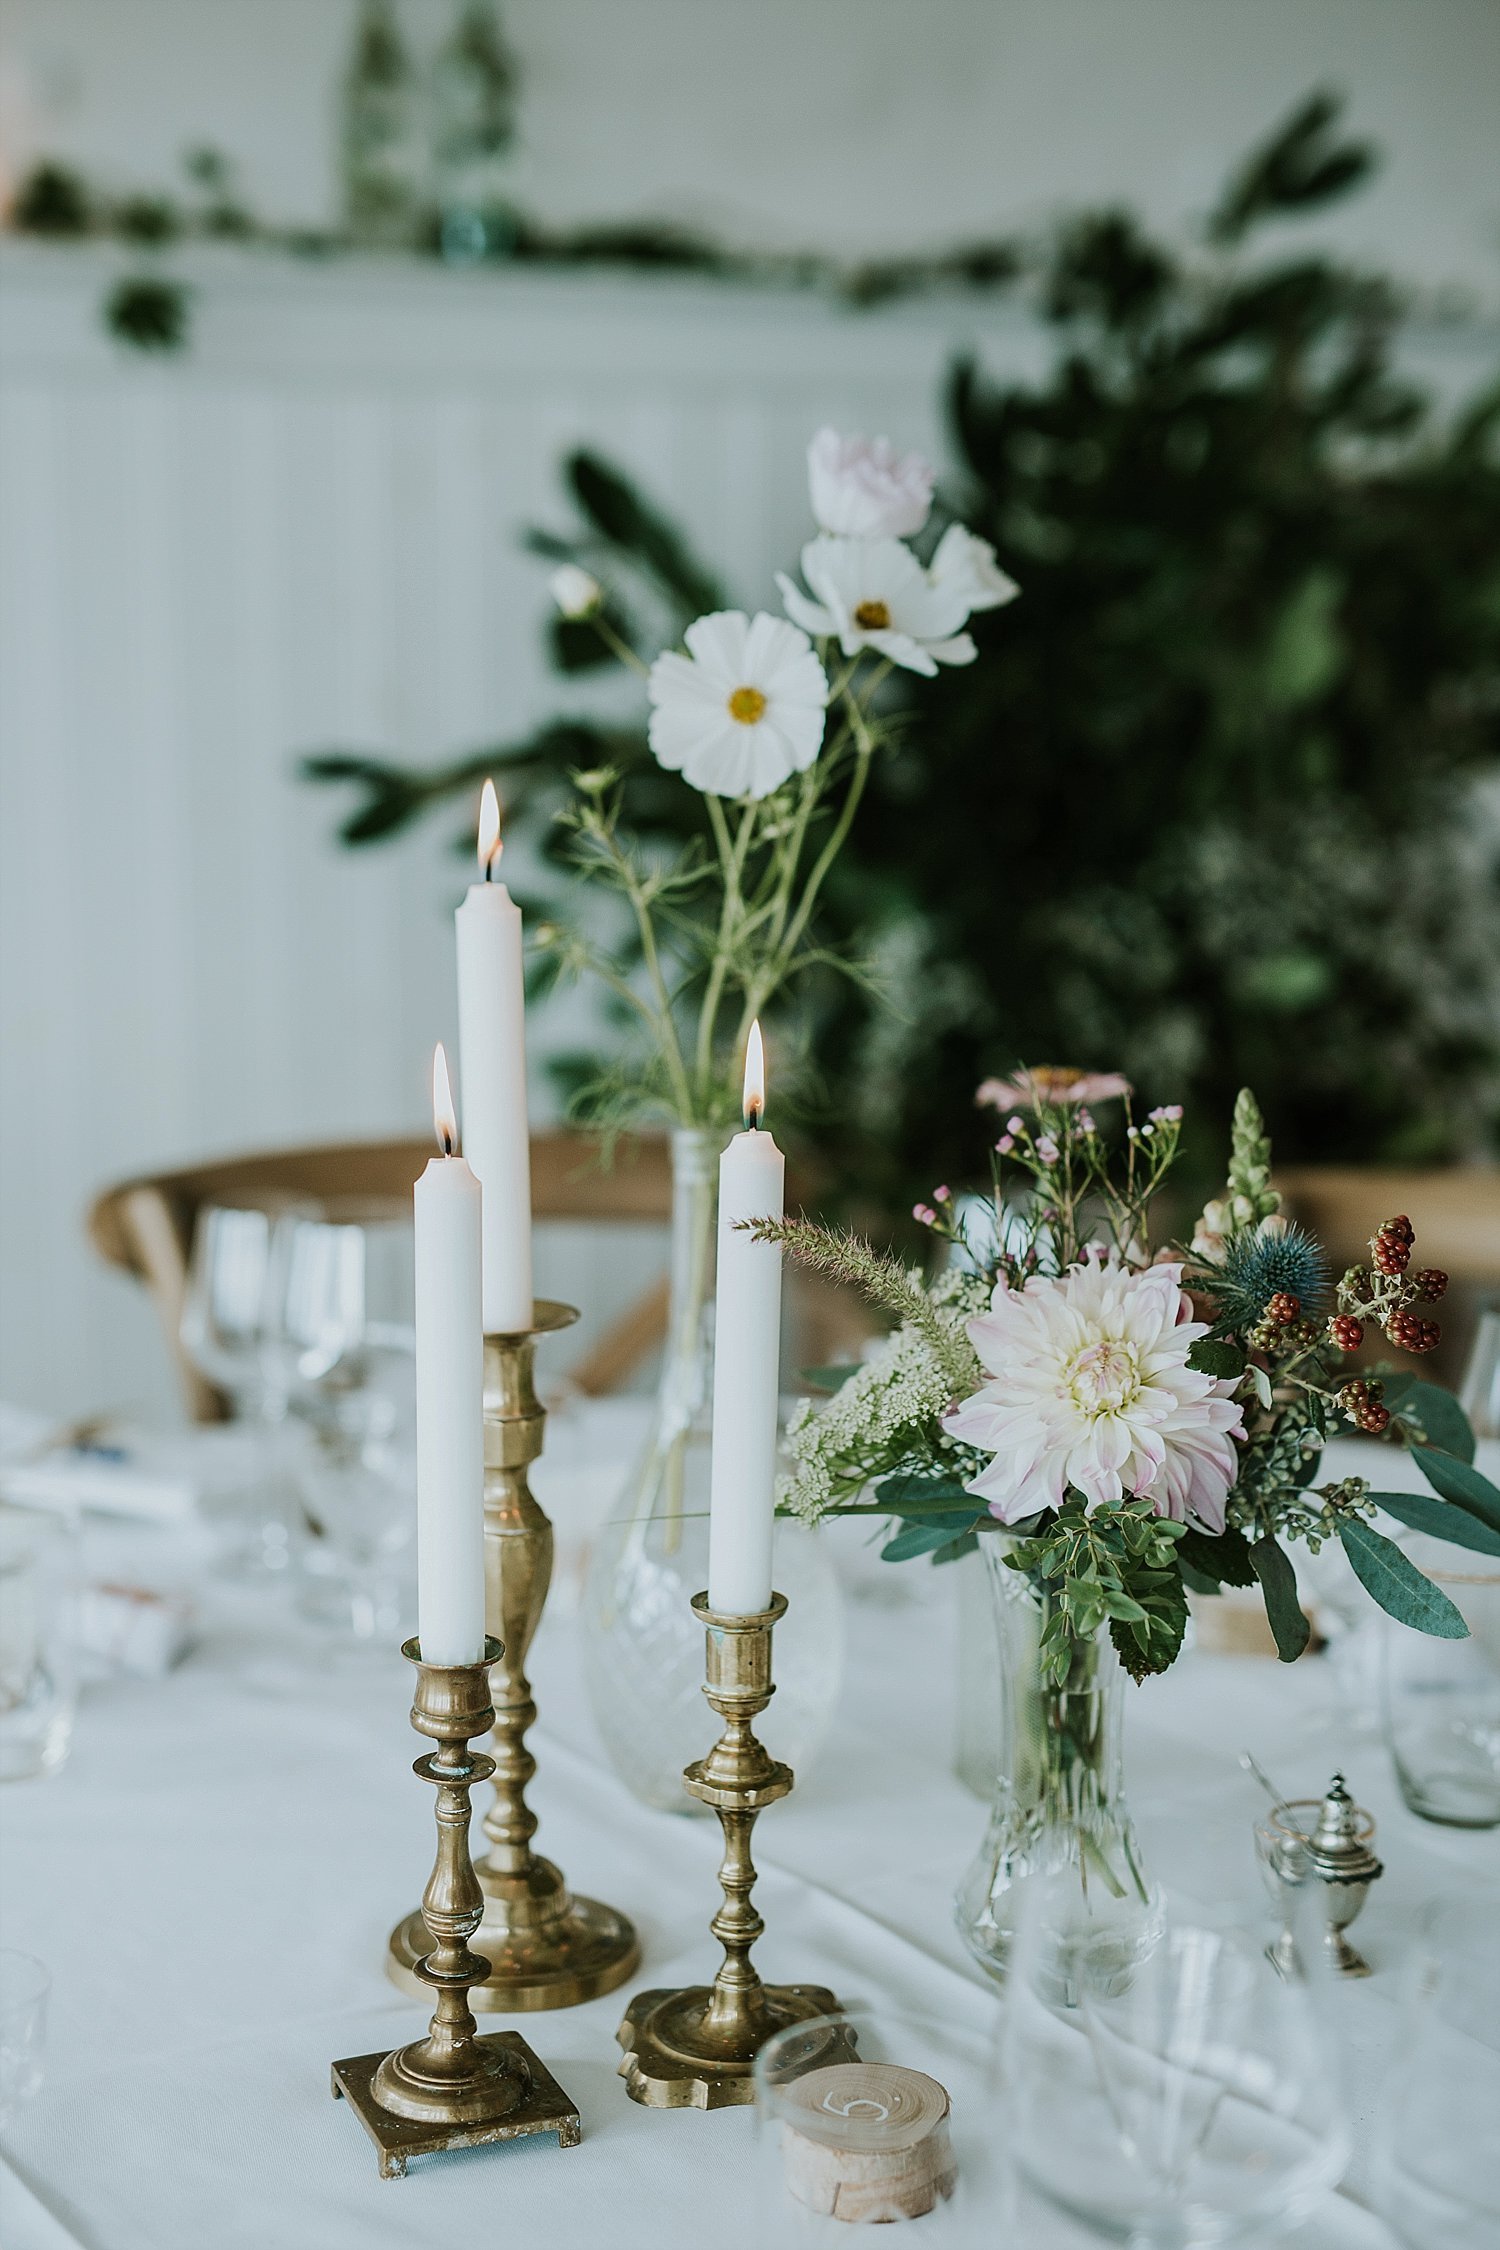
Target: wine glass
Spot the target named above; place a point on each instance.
(1438, 2151)
(223, 1331)
(357, 1482)
(1183, 2101)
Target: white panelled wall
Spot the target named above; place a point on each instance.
(305, 533)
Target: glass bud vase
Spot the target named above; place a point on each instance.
(1059, 1799)
(643, 1647)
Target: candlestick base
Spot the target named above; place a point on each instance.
(545, 1948)
(516, 2095)
(674, 2059)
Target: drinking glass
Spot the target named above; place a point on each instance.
(38, 1648)
(1438, 2152)
(357, 1483)
(1441, 1698)
(224, 1333)
(24, 1985)
(1187, 2102)
(1480, 1393)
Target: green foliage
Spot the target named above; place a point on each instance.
(1223, 1558)
(1426, 1414)
(1460, 1482)
(1109, 1564)
(1200, 810)
(1440, 1520)
(1400, 1588)
(1278, 1584)
(148, 312)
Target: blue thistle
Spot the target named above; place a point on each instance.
(1258, 1267)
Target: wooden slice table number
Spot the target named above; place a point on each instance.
(867, 2141)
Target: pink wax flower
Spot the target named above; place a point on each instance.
(1050, 1085)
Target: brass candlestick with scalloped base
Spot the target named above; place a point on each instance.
(453, 2089)
(696, 2048)
(545, 1947)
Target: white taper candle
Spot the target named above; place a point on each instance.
(492, 1042)
(450, 1398)
(747, 1362)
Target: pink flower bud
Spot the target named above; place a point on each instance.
(1047, 1149)
(942, 1195)
(1005, 1144)
(924, 1214)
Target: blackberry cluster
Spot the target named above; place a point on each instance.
(1387, 1295)
(1361, 1404)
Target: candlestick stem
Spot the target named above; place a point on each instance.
(696, 2048)
(546, 1947)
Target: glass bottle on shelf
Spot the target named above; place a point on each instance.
(381, 135)
(473, 116)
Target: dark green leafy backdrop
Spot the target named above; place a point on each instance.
(1219, 803)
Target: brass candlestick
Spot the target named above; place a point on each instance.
(451, 2089)
(545, 1947)
(696, 2049)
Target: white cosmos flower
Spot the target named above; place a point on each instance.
(1090, 1387)
(743, 709)
(862, 488)
(968, 564)
(873, 593)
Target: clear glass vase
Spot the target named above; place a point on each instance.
(643, 1648)
(1059, 1796)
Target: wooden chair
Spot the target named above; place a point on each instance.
(146, 1227)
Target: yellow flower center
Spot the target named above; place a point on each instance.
(1104, 1379)
(748, 705)
(872, 617)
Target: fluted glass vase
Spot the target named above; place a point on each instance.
(643, 1646)
(1059, 1799)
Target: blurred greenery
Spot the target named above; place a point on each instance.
(1220, 802)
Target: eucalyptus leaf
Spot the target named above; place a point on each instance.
(1221, 1557)
(1460, 1483)
(1396, 1583)
(1442, 1418)
(1278, 1585)
(967, 1543)
(922, 1538)
(1440, 1519)
(1198, 1581)
(906, 1493)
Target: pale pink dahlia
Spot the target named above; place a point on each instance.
(1090, 1387)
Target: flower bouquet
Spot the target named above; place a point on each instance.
(775, 722)
(1121, 1425)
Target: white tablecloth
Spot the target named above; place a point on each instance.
(212, 1876)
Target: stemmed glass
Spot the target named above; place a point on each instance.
(1183, 2100)
(275, 1302)
(357, 1479)
(1438, 2149)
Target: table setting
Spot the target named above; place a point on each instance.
(1212, 1962)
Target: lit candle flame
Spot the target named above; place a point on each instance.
(755, 1078)
(444, 1116)
(490, 846)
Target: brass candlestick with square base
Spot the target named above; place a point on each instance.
(546, 1948)
(696, 2048)
(452, 2089)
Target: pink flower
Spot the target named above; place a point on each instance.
(1005, 1144)
(1171, 1115)
(1089, 1389)
(1047, 1149)
(924, 1214)
(862, 488)
(942, 1195)
(1050, 1085)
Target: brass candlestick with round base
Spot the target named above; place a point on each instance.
(453, 2089)
(696, 2048)
(546, 1948)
